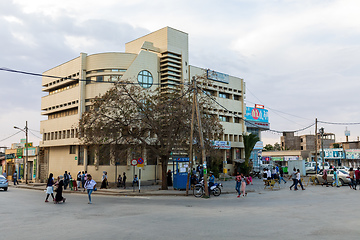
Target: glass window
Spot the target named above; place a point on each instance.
(99, 78)
(145, 79)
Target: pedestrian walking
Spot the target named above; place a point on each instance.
(169, 178)
(243, 185)
(82, 179)
(238, 183)
(281, 175)
(250, 180)
(15, 178)
(352, 179)
(104, 181)
(124, 180)
(357, 176)
(59, 190)
(119, 181)
(50, 188)
(336, 178)
(298, 180)
(66, 180)
(324, 177)
(293, 177)
(4, 174)
(78, 180)
(90, 186)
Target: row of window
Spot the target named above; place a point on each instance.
(106, 78)
(65, 113)
(106, 70)
(63, 88)
(62, 105)
(223, 95)
(63, 79)
(223, 118)
(64, 134)
(231, 138)
(221, 88)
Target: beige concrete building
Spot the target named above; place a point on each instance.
(161, 57)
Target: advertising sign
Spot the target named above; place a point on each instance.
(257, 115)
(277, 159)
(219, 77)
(291, 158)
(333, 153)
(34, 168)
(221, 144)
(259, 145)
(352, 153)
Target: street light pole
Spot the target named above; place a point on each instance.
(322, 147)
(26, 159)
(26, 151)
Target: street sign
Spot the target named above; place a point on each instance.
(140, 162)
(134, 162)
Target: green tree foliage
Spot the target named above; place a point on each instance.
(129, 115)
(249, 143)
(268, 147)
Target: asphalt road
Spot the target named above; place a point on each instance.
(316, 213)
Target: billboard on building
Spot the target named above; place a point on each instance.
(352, 153)
(333, 153)
(217, 76)
(221, 144)
(257, 118)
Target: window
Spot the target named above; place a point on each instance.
(145, 79)
(81, 155)
(72, 149)
(223, 95)
(100, 78)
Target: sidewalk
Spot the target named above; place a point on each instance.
(154, 190)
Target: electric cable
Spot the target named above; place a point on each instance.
(298, 130)
(10, 136)
(334, 123)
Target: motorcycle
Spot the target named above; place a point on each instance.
(199, 189)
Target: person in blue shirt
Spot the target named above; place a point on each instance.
(211, 181)
(135, 181)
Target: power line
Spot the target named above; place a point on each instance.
(10, 136)
(34, 135)
(336, 123)
(77, 79)
(298, 130)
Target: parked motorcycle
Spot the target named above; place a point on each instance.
(199, 189)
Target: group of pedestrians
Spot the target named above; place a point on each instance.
(122, 181)
(62, 182)
(275, 173)
(241, 182)
(295, 176)
(354, 178)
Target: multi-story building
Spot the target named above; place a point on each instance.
(305, 142)
(159, 58)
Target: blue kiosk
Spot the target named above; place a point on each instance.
(180, 172)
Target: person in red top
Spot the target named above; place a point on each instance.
(357, 177)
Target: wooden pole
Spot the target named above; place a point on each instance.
(203, 157)
(191, 140)
(316, 140)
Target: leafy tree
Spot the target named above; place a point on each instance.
(249, 143)
(268, 147)
(129, 115)
(277, 147)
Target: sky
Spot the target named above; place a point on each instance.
(299, 58)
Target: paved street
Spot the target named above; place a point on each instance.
(316, 213)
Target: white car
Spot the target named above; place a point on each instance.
(4, 183)
(310, 167)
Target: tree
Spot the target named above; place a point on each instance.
(129, 115)
(277, 147)
(249, 143)
(268, 147)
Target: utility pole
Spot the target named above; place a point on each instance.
(26, 159)
(316, 139)
(203, 157)
(322, 146)
(191, 141)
